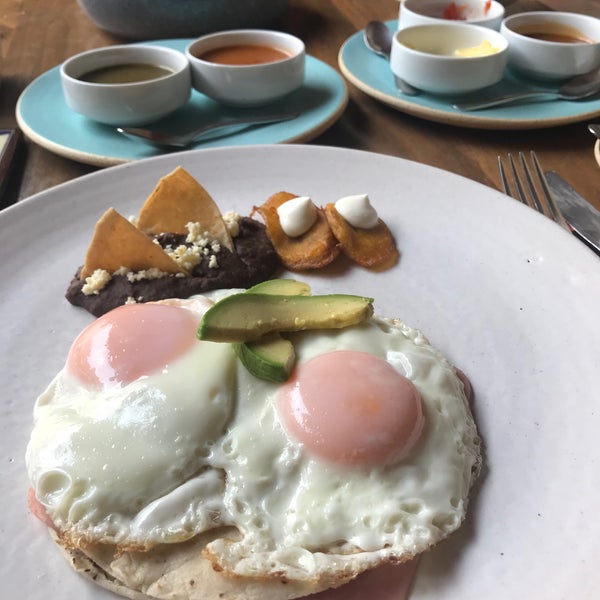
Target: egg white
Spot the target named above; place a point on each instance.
(128, 465)
(200, 445)
(307, 518)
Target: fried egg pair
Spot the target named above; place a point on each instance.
(148, 436)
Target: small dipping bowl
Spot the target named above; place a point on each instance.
(432, 12)
(552, 45)
(426, 56)
(126, 85)
(247, 67)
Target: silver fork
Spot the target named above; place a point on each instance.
(530, 187)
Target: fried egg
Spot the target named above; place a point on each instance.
(149, 436)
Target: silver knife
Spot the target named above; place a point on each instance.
(583, 218)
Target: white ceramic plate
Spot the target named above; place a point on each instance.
(507, 294)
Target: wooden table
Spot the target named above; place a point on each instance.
(36, 35)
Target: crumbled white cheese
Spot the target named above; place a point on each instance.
(213, 263)
(152, 273)
(186, 257)
(130, 300)
(196, 235)
(232, 222)
(95, 282)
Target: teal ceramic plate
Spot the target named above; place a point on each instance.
(44, 117)
(371, 74)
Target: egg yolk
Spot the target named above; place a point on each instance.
(351, 408)
(129, 342)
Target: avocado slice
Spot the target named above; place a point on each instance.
(247, 317)
(282, 287)
(272, 357)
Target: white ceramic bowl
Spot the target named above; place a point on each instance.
(432, 12)
(134, 103)
(247, 84)
(544, 59)
(424, 57)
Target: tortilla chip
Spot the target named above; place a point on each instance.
(372, 248)
(312, 250)
(117, 243)
(177, 200)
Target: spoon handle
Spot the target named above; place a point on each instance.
(256, 120)
(595, 129)
(506, 99)
(185, 139)
(405, 88)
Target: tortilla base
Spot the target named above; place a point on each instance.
(175, 571)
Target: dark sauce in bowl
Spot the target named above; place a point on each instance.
(243, 54)
(557, 37)
(125, 73)
(554, 32)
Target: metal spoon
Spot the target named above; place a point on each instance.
(595, 129)
(577, 88)
(185, 139)
(378, 38)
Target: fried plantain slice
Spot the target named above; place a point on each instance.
(177, 200)
(117, 243)
(373, 248)
(312, 250)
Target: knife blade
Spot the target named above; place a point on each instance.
(583, 218)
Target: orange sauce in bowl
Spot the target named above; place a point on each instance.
(554, 32)
(562, 38)
(244, 54)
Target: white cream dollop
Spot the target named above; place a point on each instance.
(357, 210)
(297, 215)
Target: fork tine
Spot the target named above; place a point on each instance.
(521, 195)
(533, 194)
(511, 188)
(503, 178)
(528, 185)
(552, 205)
